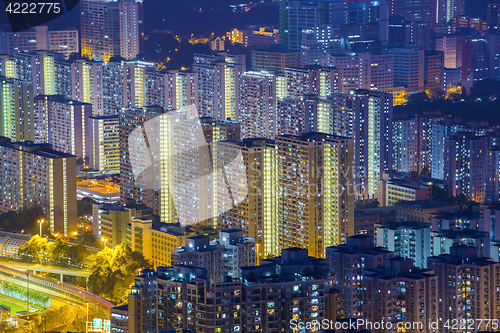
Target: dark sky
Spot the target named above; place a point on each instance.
(179, 15)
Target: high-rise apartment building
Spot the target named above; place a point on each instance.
(64, 41)
(297, 15)
(446, 10)
(411, 144)
(136, 186)
(156, 240)
(111, 28)
(318, 42)
(466, 285)
(315, 191)
(34, 174)
(492, 164)
(433, 70)
(366, 116)
(171, 89)
(267, 298)
(103, 143)
(401, 292)
(256, 214)
(218, 82)
(464, 165)
(257, 112)
(348, 261)
(363, 70)
(37, 68)
(62, 123)
(409, 68)
(40, 39)
(424, 10)
(16, 109)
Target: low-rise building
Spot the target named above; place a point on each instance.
(420, 210)
(221, 257)
(444, 240)
(410, 240)
(156, 240)
(392, 189)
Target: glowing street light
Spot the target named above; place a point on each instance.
(104, 240)
(41, 222)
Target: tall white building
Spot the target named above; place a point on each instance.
(130, 35)
(103, 143)
(492, 174)
(366, 116)
(16, 109)
(62, 123)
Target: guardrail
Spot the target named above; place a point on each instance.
(56, 287)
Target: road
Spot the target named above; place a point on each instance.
(71, 292)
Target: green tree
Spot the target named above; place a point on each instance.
(113, 271)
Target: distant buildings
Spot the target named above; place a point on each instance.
(111, 28)
(40, 39)
(421, 210)
(275, 58)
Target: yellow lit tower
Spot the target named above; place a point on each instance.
(315, 184)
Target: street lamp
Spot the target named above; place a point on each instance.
(28, 302)
(104, 240)
(41, 222)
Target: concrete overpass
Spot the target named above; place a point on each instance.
(50, 269)
(50, 287)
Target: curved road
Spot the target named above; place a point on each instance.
(72, 290)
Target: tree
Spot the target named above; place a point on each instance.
(113, 271)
